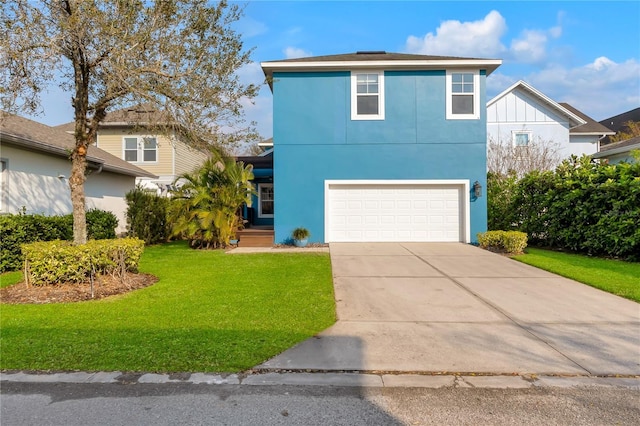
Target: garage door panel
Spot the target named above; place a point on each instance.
(394, 212)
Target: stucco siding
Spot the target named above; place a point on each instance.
(33, 182)
(316, 140)
(112, 141)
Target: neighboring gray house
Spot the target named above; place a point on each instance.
(521, 114)
(618, 152)
(35, 168)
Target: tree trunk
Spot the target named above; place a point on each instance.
(76, 183)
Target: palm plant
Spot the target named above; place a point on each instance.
(205, 209)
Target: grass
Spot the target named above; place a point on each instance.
(614, 276)
(209, 312)
(10, 278)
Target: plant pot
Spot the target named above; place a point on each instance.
(300, 243)
(233, 242)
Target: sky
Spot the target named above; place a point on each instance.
(586, 53)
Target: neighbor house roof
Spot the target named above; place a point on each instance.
(36, 136)
(617, 122)
(377, 60)
(134, 115)
(618, 147)
(590, 127)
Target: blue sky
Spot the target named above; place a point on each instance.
(586, 53)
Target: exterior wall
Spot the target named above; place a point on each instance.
(112, 140)
(32, 181)
(316, 140)
(518, 111)
(187, 158)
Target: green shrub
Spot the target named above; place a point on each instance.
(19, 229)
(512, 242)
(500, 191)
(51, 262)
(583, 206)
(101, 225)
(147, 216)
(490, 239)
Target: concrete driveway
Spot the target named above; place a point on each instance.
(454, 308)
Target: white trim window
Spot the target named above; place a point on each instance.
(367, 95)
(140, 149)
(521, 138)
(265, 200)
(463, 95)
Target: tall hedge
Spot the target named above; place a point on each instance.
(19, 229)
(582, 206)
(147, 216)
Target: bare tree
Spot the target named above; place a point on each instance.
(539, 154)
(175, 56)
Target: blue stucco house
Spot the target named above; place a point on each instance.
(376, 146)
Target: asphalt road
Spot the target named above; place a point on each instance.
(189, 404)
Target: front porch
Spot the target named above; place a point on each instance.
(256, 236)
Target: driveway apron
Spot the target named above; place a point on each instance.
(454, 308)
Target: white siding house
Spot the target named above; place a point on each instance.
(36, 167)
(521, 115)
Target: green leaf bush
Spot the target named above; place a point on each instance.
(512, 242)
(51, 262)
(147, 216)
(582, 206)
(19, 229)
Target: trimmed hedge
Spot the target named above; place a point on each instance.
(512, 242)
(582, 206)
(22, 229)
(51, 262)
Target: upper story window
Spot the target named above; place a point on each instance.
(463, 95)
(521, 138)
(140, 149)
(367, 95)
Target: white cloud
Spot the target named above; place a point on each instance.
(600, 89)
(455, 38)
(483, 38)
(530, 48)
(294, 52)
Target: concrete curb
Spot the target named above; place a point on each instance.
(331, 379)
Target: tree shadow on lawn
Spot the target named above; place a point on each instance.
(141, 350)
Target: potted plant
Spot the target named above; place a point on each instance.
(300, 237)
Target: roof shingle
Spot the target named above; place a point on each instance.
(55, 140)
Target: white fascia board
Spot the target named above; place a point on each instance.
(591, 133)
(489, 64)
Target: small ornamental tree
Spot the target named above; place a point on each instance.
(205, 208)
(175, 56)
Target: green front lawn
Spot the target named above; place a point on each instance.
(209, 312)
(614, 276)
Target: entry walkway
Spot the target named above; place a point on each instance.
(453, 308)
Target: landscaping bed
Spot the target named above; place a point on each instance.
(103, 286)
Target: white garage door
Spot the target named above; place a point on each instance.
(392, 211)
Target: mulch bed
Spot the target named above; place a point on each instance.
(103, 286)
